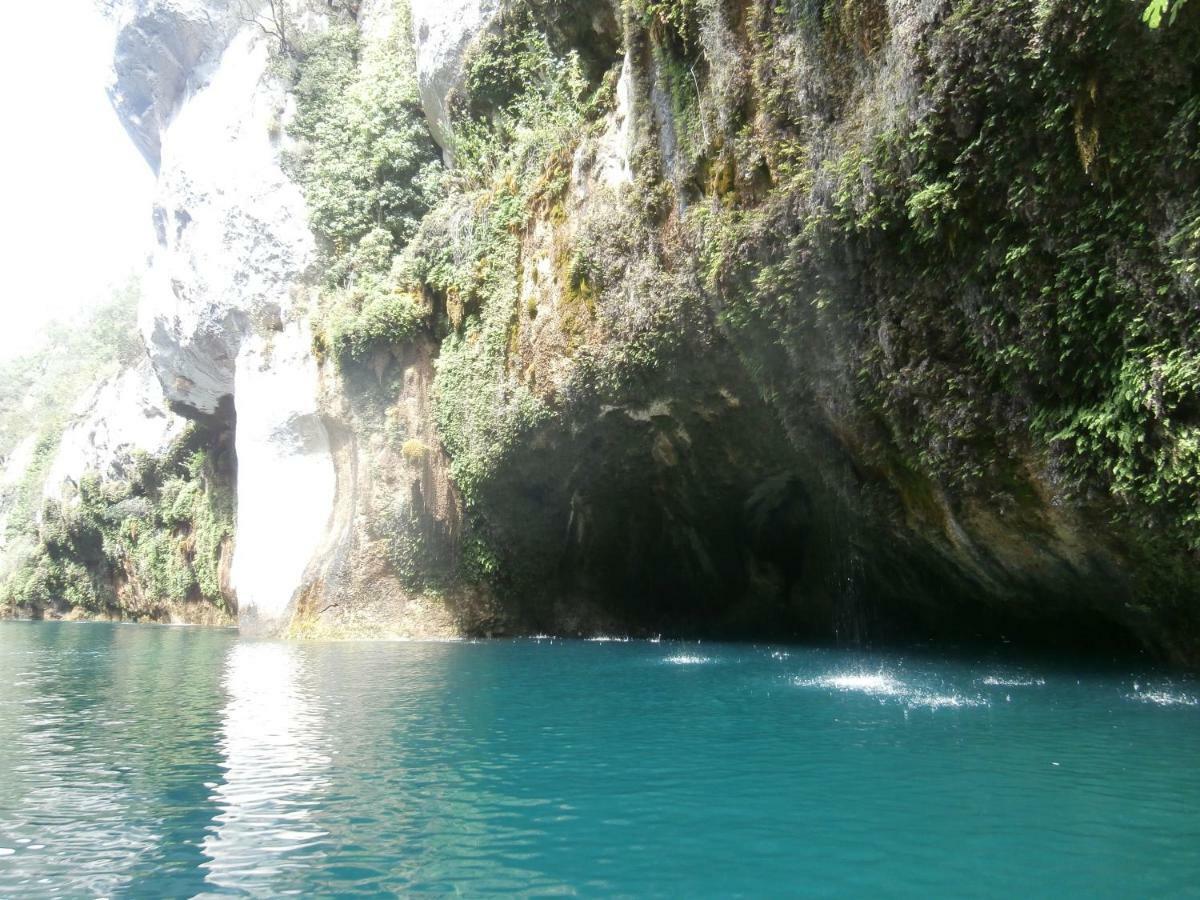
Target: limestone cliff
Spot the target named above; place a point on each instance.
(853, 319)
(112, 506)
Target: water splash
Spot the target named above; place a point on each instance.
(1163, 697)
(875, 684)
(888, 688)
(1011, 681)
(455, 769)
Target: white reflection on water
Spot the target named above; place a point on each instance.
(275, 763)
(885, 687)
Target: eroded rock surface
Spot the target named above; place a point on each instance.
(163, 49)
(117, 420)
(443, 31)
(219, 311)
(731, 329)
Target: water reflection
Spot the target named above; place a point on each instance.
(159, 763)
(276, 762)
(62, 794)
(102, 730)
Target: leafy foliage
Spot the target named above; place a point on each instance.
(479, 410)
(522, 109)
(370, 171)
(37, 390)
(375, 310)
(162, 527)
(678, 18)
(976, 253)
(162, 533)
(1002, 263)
(366, 159)
(519, 104)
(1157, 9)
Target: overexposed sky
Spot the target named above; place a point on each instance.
(75, 195)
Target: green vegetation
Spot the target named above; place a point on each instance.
(479, 409)
(132, 544)
(192, 516)
(973, 259)
(521, 113)
(370, 171)
(366, 159)
(376, 310)
(1071, 330)
(519, 106)
(1157, 9)
(524, 107)
(39, 389)
(676, 17)
(1017, 283)
(155, 532)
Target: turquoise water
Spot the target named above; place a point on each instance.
(162, 762)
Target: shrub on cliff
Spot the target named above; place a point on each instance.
(365, 154)
(163, 530)
(370, 171)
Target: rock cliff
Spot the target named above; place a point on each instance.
(854, 320)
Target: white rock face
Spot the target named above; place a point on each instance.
(444, 30)
(119, 417)
(162, 48)
(617, 143)
(610, 163)
(18, 462)
(218, 313)
(234, 249)
(286, 477)
(232, 229)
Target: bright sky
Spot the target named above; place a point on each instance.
(75, 195)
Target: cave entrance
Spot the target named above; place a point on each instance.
(701, 519)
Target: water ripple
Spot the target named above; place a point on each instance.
(157, 763)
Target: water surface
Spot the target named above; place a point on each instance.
(183, 762)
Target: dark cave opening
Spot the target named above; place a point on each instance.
(702, 521)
